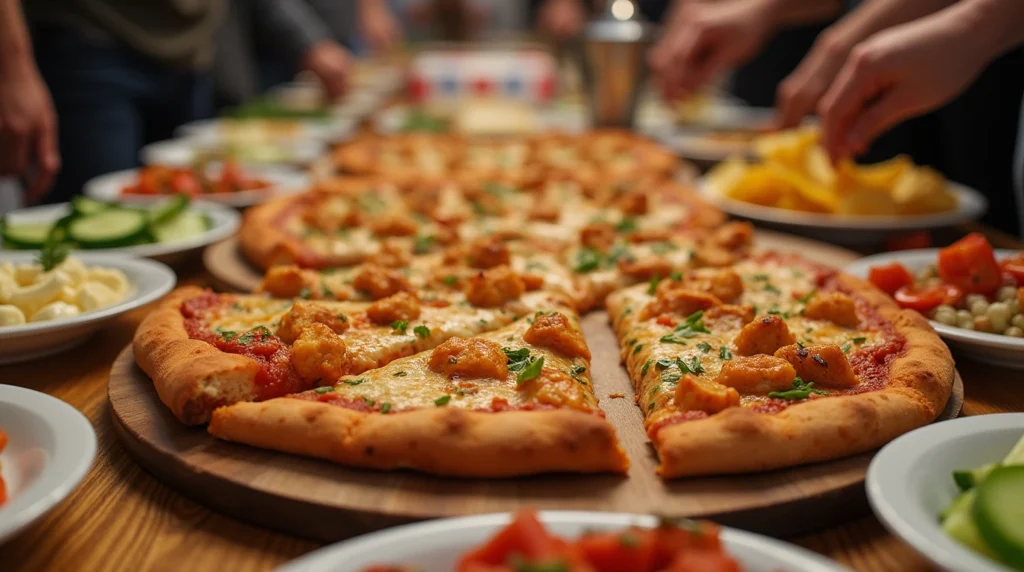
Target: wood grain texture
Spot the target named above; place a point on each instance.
(122, 518)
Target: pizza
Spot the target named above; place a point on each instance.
(514, 401)
(204, 350)
(772, 362)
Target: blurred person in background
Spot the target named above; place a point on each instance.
(94, 81)
(971, 140)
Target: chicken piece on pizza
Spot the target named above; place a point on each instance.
(835, 307)
(764, 335)
(302, 315)
(680, 301)
(486, 406)
(487, 253)
(402, 306)
(757, 374)
(699, 394)
(722, 283)
(494, 287)
(380, 282)
(825, 365)
(319, 354)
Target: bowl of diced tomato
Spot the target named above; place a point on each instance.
(973, 294)
(223, 182)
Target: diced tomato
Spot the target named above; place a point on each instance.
(924, 299)
(182, 182)
(891, 277)
(970, 264)
(632, 549)
(525, 536)
(666, 320)
(670, 540)
(703, 560)
(920, 239)
(1014, 266)
(231, 175)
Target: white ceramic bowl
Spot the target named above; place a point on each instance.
(148, 280)
(224, 221)
(283, 181)
(49, 450)
(910, 482)
(435, 546)
(992, 348)
(700, 146)
(851, 230)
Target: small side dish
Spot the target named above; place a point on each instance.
(96, 224)
(988, 516)
(795, 173)
(525, 545)
(56, 287)
(194, 182)
(966, 287)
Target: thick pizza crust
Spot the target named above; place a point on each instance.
(262, 241)
(738, 440)
(192, 377)
(443, 440)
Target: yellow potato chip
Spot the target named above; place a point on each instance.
(823, 197)
(787, 147)
(880, 175)
(819, 167)
(921, 191)
(865, 201)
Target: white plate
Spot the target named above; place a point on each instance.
(971, 205)
(148, 281)
(224, 222)
(992, 348)
(435, 546)
(308, 142)
(284, 181)
(699, 145)
(910, 482)
(50, 448)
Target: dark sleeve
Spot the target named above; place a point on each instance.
(291, 27)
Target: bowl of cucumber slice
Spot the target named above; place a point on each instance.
(168, 231)
(955, 492)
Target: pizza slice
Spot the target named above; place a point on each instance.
(775, 362)
(204, 350)
(515, 401)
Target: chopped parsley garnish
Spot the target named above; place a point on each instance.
(400, 374)
(652, 286)
(578, 369)
(647, 366)
(54, 252)
(575, 371)
(626, 225)
(450, 280)
(355, 381)
(305, 293)
(443, 400)
(259, 333)
(531, 371)
(637, 349)
(664, 363)
(400, 326)
(692, 365)
(801, 390)
(704, 347)
(724, 353)
(671, 377)
(859, 341)
(672, 339)
(760, 277)
(422, 244)
(587, 260)
(385, 407)
(369, 401)
(618, 252)
(846, 346)
(807, 297)
(421, 331)
(769, 287)
(342, 317)
(662, 247)
(324, 389)
(453, 360)
(676, 276)
(650, 406)
(625, 313)
(521, 363)
(693, 325)
(327, 292)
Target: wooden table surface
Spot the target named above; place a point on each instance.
(122, 518)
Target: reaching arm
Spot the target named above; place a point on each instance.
(378, 25)
(911, 69)
(800, 92)
(704, 38)
(28, 124)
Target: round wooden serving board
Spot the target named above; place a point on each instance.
(232, 271)
(323, 501)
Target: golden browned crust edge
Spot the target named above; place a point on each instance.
(191, 377)
(443, 440)
(260, 240)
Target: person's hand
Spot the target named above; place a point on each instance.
(798, 95)
(28, 130)
(379, 26)
(705, 38)
(561, 19)
(330, 62)
(894, 75)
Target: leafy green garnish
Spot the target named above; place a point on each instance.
(672, 339)
(450, 280)
(324, 389)
(400, 326)
(846, 346)
(769, 287)
(421, 331)
(647, 366)
(422, 244)
(807, 297)
(692, 365)
(355, 381)
(305, 293)
(626, 225)
(801, 390)
(859, 341)
(652, 286)
(704, 347)
(53, 252)
(637, 349)
(531, 371)
(385, 407)
(724, 353)
(443, 400)
(587, 260)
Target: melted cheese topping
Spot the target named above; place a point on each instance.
(651, 350)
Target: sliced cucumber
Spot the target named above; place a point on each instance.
(998, 512)
(26, 234)
(186, 225)
(111, 228)
(967, 480)
(1016, 455)
(86, 206)
(958, 522)
(168, 209)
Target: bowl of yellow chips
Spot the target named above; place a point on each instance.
(794, 185)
